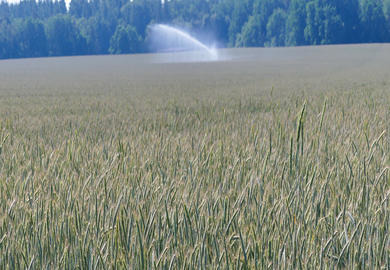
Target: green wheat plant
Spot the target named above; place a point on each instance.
(174, 174)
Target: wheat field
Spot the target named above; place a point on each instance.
(269, 159)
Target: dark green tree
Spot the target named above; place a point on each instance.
(137, 15)
(125, 40)
(276, 28)
(311, 31)
(323, 23)
(241, 12)
(373, 21)
(80, 9)
(251, 34)
(348, 11)
(295, 24)
(5, 39)
(97, 33)
(219, 22)
(90, 25)
(64, 37)
(31, 38)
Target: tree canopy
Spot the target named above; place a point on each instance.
(50, 28)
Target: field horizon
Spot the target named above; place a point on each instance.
(270, 158)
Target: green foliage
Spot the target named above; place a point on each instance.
(124, 40)
(373, 21)
(80, 8)
(323, 23)
(251, 34)
(233, 23)
(32, 37)
(276, 28)
(64, 37)
(386, 8)
(218, 22)
(349, 11)
(137, 15)
(296, 23)
(239, 17)
(98, 33)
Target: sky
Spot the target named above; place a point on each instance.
(17, 1)
(66, 1)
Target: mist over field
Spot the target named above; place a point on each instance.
(265, 158)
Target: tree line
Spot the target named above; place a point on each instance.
(50, 28)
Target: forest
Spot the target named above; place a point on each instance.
(91, 27)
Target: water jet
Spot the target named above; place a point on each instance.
(167, 39)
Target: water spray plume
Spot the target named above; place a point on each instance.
(165, 38)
